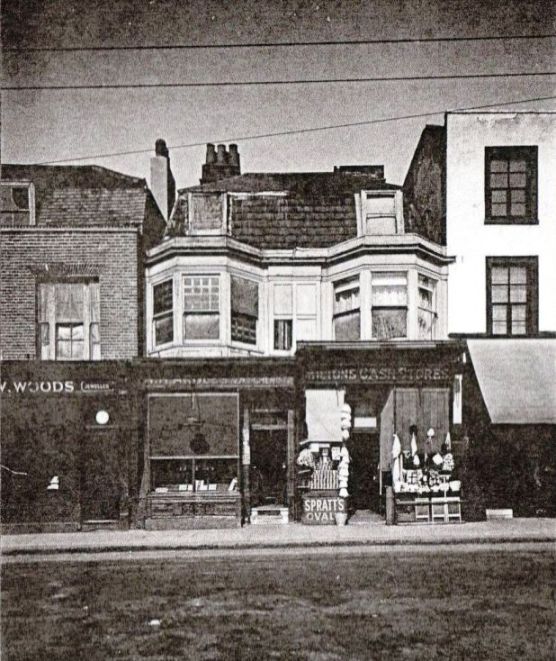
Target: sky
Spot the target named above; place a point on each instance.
(48, 125)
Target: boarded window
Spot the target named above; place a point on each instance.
(206, 213)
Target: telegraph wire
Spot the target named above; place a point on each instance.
(314, 129)
(260, 83)
(274, 44)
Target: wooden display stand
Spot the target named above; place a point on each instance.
(183, 510)
(444, 509)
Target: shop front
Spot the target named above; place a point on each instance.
(218, 442)
(68, 439)
(378, 417)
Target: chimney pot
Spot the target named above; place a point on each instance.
(160, 148)
(211, 154)
(234, 155)
(221, 155)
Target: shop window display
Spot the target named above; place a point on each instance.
(425, 484)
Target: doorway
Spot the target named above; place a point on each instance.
(364, 486)
(268, 467)
(101, 477)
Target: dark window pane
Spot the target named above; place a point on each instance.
(283, 334)
(425, 320)
(517, 210)
(389, 324)
(163, 297)
(20, 197)
(347, 327)
(201, 326)
(164, 329)
(244, 328)
(499, 210)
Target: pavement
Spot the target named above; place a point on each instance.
(291, 535)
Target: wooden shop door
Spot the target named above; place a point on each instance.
(101, 484)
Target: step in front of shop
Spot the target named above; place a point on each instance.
(269, 515)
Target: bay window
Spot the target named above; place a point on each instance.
(347, 314)
(389, 305)
(201, 305)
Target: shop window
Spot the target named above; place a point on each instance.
(389, 305)
(193, 441)
(347, 314)
(163, 312)
(512, 295)
(426, 311)
(511, 185)
(201, 318)
(245, 310)
(69, 321)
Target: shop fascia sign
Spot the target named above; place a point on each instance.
(55, 387)
(363, 374)
(191, 383)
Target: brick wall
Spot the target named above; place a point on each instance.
(110, 256)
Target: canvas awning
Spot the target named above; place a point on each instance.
(323, 415)
(517, 379)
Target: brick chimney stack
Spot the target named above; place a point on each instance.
(163, 184)
(220, 163)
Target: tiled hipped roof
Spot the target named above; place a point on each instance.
(287, 210)
(286, 222)
(85, 196)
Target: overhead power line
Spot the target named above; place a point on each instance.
(304, 81)
(276, 44)
(314, 129)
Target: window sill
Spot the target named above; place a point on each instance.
(506, 220)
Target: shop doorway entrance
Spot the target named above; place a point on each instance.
(100, 477)
(364, 489)
(268, 467)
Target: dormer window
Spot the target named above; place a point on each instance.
(18, 203)
(206, 213)
(380, 213)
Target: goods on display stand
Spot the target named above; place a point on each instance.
(323, 477)
(424, 486)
